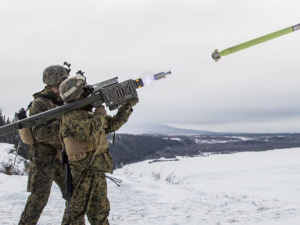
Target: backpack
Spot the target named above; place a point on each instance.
(25, 133)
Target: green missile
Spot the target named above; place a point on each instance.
(216, 55)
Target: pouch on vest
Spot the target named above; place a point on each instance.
(25, 133)
(76, 150)
(26, 136)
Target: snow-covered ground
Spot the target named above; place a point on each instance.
(9, 162)
(242, 188)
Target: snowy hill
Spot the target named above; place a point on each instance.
(161, 129)
(243, 188)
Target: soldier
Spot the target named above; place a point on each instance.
(44, 153)
(84, 136)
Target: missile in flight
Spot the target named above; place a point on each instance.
(216, 55)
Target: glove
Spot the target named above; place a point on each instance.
(21, 114)
(100, 109)
(129, 104)
(133, 102)
(125, 110)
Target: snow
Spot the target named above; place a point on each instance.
(203, 140)
(243, 188)
(240, 138)
(211, 141)
(173, 139)
(9, 160)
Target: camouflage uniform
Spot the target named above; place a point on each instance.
(45, 165)
(90, 194)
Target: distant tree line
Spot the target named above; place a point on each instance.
(126, 148)
(129, 148)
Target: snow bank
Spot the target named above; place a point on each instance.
(9, 163)
(249, 188)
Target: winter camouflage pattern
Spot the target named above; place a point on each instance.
(71, 89)
(53, 74)
(91, 194)
(45, 165)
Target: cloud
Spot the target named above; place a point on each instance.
(135, 38)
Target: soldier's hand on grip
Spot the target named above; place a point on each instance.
(127, 108)
(132, 102)
(101, 109)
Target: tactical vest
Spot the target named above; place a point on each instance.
(26, 133)
(26, 136)
(76, 150)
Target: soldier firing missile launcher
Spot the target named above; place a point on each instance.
(216, 55)
(110, 92)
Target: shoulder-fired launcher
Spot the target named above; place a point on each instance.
(110, 92)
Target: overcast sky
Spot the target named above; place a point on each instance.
(254, 90)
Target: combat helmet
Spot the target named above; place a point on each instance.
(53, 74)
(72, 88)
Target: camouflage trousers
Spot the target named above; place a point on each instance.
(90, 197)
(44, 169)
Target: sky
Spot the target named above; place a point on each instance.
(254, 90)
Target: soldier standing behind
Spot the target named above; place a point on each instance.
(44, 153)
(84, 137)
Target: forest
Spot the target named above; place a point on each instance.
(130, 148)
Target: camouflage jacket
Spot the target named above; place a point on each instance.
(46, 134)
(84, 125)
